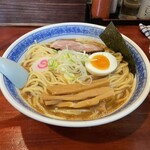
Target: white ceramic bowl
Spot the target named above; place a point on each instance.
(17, 50)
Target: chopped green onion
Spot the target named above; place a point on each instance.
(71, 65)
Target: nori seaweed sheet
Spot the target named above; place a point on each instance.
(114, 40)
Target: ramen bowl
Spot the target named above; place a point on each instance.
(18, 49)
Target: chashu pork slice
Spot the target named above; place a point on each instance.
(75, 45)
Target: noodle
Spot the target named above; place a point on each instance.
(122, 81)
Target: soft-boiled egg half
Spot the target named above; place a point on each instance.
(101, 64)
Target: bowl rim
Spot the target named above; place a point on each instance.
(88, 123)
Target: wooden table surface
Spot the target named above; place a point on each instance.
(19, 132)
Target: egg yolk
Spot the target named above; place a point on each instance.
(100, 62)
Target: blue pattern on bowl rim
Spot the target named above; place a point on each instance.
(69, 30)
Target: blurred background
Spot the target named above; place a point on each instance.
(41, 12)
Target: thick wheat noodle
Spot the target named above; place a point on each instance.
(69, 88)
(120, 79)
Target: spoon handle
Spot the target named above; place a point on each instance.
(14, 72)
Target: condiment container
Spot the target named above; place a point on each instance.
(113, 7)
(101, 8)
(129, 9)
(144, 11)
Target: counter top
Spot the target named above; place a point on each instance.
(19, 132)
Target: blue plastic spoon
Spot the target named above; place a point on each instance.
(14, 72)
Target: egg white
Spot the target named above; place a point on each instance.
(99, 72)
